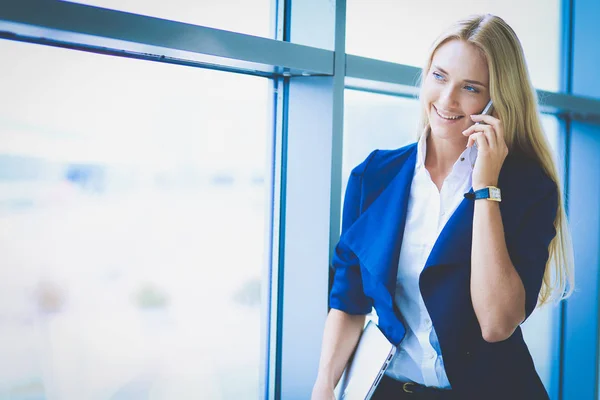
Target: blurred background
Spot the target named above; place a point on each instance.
(171, 179)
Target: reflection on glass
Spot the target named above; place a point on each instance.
(131, 228)
(402, 31)
(249, 17)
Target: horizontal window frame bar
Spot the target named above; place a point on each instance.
(579, 108)
(370, 69)
(63, 23)
(137, 56)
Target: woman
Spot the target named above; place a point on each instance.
(453, 275)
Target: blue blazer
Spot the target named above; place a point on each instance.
(365, 264)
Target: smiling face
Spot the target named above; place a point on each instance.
(456, 86)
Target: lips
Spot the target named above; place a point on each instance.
(447, 116)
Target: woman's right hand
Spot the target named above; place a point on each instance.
(322, 391)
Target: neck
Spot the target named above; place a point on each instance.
(442, 153)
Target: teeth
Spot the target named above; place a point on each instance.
(447, 117)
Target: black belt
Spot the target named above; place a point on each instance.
(390, 389)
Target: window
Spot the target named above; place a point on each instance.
(403, 31)
(249, 17)
(132, 207)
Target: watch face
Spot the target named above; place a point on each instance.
(495, 193)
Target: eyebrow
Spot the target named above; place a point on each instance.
(466, 80)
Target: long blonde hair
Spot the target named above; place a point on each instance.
(515, 104)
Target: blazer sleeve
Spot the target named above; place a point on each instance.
(529, 250)
(347, 290)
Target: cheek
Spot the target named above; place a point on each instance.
(429, 94)
(473, 106)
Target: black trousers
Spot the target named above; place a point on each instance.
(391, 389)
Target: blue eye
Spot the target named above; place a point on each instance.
(471, 89)
(437, 76)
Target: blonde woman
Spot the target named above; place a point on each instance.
(454, 239)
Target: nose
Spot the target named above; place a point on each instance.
(448, 98)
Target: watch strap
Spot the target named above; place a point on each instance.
(483, 193)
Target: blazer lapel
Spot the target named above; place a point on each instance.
(376, 236)
(453, 245)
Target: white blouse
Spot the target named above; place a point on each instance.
(419, 357)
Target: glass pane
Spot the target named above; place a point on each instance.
(541, 333)
(254, 17)
(402, 31)
(551, 129)
(124, 187)
(375, 121)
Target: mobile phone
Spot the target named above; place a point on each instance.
(489, 108)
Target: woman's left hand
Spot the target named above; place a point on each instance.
(491, 149)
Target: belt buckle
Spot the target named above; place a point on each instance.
(405, 387)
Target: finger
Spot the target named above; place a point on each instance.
(478, 127)
(490, 135)
(480, 139)
(493, 121)
(486, 119)
(486, 130)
